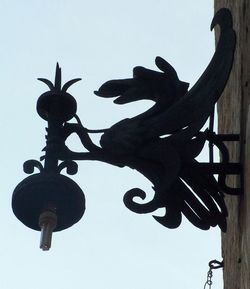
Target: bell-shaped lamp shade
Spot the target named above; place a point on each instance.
(48, 203)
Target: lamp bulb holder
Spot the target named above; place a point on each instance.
(47, 223)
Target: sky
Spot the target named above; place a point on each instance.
(110, 247)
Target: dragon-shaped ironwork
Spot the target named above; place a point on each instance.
(163, 142)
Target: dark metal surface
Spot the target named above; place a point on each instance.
(49, 189)
(214, 264)
(161, 143)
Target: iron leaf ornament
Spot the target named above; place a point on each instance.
(161, 143)
(181, 186)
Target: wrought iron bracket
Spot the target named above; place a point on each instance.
(162, 143)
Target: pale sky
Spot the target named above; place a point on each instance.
(111, 247)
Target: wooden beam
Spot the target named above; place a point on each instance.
(234, 117)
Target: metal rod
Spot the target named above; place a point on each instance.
(220, 168)
(228, 137)
(211, 145)
(51, 160)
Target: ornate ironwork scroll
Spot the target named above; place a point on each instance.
(163, 142)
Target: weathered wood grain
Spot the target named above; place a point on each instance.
(234, 117)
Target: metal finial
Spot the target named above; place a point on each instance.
(58, 78)
(58, 81)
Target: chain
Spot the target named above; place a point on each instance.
(214, 264)
(209, 279)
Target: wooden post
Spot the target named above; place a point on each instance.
(234, 117)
